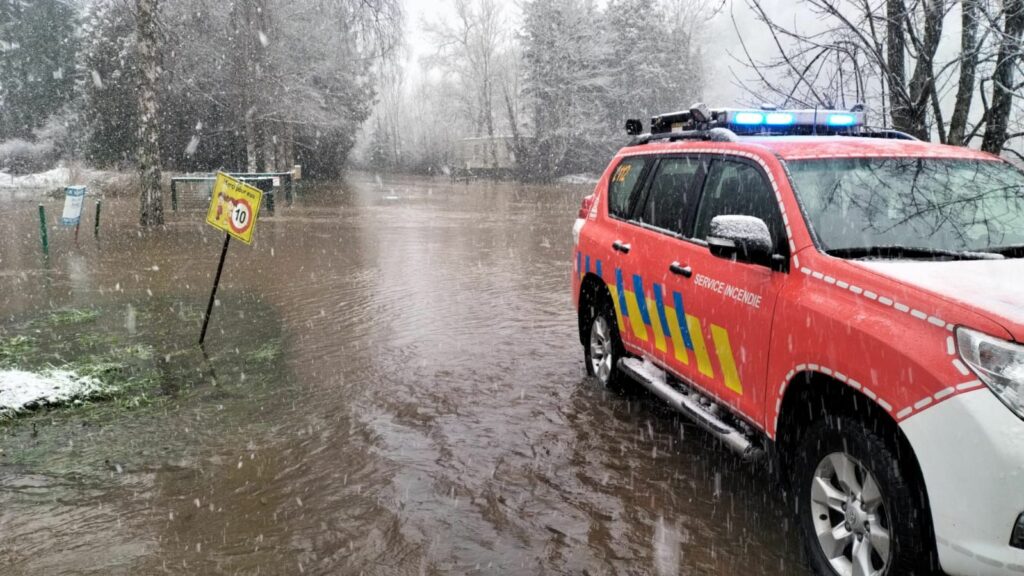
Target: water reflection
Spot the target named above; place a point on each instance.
(427, 413)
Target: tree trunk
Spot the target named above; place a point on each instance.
(1003, 77)
(968, 71)
(901, 108)
(513, 124)
(289, 147)
(151, 209)
(269, 149)
(251, 146)
(921, 83)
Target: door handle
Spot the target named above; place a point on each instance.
(620, 247)
(680, 270)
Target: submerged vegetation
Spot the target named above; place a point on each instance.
(71, 317)
(123, 369)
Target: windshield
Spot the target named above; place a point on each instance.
(870, 206)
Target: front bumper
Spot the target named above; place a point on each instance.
(971, 452)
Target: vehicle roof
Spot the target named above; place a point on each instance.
(807, 147)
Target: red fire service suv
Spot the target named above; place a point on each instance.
(848, 300)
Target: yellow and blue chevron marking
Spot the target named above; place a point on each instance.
(670, 323)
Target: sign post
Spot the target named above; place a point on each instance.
(234, 206)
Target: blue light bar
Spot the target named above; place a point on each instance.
(780, 119)
(748, 118)
(842, 120)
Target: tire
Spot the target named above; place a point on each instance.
(602, 348)
(871, 514)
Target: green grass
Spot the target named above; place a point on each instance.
(148, 367)
(71, 317)
(14, 348)
(268, 352)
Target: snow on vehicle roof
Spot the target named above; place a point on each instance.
(810, 147)
(806, 147)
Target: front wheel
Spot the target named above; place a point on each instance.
(860, 514)
(603, 348)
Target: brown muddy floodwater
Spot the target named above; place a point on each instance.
(420, 405)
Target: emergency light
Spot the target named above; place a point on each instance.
(788, 121)
(767, 121)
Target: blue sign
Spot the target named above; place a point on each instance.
(74, 199)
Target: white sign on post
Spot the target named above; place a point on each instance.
(74, 199)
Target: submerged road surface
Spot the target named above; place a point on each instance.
(394, 385)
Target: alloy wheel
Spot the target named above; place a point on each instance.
(850, 517)
(601, 350)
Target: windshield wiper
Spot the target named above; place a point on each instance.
(1009, 251)
(911, 253)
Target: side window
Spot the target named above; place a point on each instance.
(737, 188)
(672, 197)
(623, 185)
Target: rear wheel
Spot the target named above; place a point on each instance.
(603, 346)
(860, 513)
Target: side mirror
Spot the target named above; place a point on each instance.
(741, 238)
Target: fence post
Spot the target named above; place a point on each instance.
(42, 229)
(96, 226)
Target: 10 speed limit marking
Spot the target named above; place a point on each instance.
(234, 206)
(241, 217)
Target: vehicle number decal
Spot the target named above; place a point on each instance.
(622, 173)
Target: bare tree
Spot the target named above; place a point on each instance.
(867, 50)
(1004, 87)
(971, 13)
(151, 209)
(469, 48)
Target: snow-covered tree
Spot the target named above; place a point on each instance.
(147, 48)
(37, 55)
(587, 70)
(107, 79)
(567, 84)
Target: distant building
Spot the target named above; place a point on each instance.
(485, 156)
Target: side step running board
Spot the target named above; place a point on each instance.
(653, 378)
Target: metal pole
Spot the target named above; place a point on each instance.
(216, 282)
(42, 229)
(174, 196)
(96, 227)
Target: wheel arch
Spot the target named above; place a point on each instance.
(811, 396)
(592, 289)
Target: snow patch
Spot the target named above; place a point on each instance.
(57, 179)
(50, 179)
(991, 286)
(738, 226)
(579, 179)
(20, 389)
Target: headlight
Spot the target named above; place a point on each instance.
(998, 363)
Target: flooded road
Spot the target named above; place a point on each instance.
(422, 408)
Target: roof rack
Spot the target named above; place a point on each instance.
(886, 133)
(710, 135)
(727, 124)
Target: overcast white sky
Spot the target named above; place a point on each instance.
(719, 91)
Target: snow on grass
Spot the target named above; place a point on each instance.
(56, 178)
(50, 179)
(20, 390)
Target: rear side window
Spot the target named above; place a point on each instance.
(623, 186)
(737, 188)
(671, 200)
